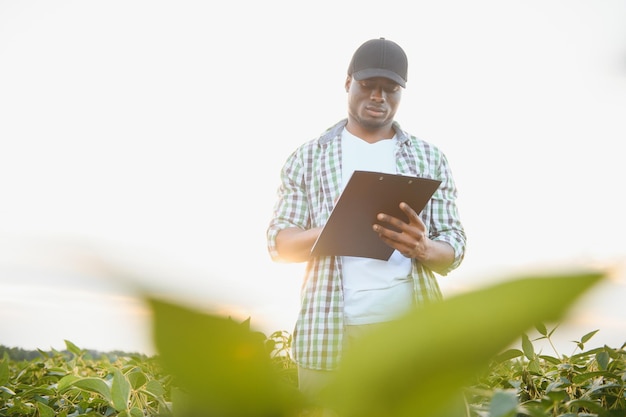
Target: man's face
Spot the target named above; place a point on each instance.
(373, 102)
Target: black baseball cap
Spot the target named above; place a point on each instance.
(379, 58)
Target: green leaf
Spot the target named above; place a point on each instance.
(588, 336)
(133, 412)
(155, 388)
(527, 347)
(4, 371)
(36, 391)
(413, 366)
(541, 328)
(551, 359)
(556, 396)
(579, 379)
(592, 406)
(7, 390)
(221, 364)
(503, 404)
(603, 359)
(136, 412)
(44, 410)
(137, 379)
(508, 355)
(94, 385)
(534, 367)
(67, 382)
(552, 331)
(120, 390)
(73, 348)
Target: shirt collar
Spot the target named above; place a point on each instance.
(335, 131)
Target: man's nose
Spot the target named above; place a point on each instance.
(378, 93)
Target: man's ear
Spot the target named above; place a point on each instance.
(348, 82)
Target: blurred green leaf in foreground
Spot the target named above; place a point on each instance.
(221, 366)
(416, 366)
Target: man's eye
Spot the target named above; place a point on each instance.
(388, 88)
(392, 88)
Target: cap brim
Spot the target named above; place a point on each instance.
(379, 72)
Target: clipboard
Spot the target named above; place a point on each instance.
(348, 231)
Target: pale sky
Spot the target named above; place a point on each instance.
(141, 143)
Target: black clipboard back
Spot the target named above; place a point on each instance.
(348, 231)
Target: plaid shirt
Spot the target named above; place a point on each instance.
(310, 184)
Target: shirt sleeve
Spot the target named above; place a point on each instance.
(445, 222)
(291, 208)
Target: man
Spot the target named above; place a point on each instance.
(343, 296)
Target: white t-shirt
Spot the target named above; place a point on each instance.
(374, 291)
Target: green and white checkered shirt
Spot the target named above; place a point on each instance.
(310, 183)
